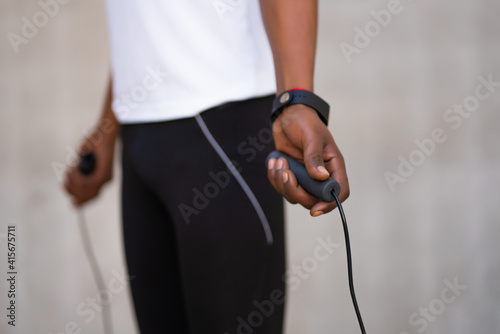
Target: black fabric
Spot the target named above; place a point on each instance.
(201, 263)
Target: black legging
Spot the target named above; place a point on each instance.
(206, 256)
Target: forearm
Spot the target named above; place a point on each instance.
(108, 122)
(291, 26)
(101, 142)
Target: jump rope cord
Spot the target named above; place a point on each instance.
(98, 277)
(349, 263)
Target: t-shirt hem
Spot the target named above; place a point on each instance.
(157, 113)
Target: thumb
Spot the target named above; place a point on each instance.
(313, 157)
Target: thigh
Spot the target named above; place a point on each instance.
(232, 276)
(242, 130)
(231, 270)
(151, 255)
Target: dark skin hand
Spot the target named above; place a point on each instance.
(291, 26)
(299, 132)
(81, 187)
(101, 142)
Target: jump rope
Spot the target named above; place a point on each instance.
(327, 191)
(86, 167)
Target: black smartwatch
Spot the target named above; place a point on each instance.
(300, 96)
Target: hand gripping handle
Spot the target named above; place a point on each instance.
(320, 189)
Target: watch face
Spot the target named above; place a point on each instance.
(284, 97)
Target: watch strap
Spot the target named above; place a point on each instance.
(300, 96)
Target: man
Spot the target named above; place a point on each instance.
(191, 95)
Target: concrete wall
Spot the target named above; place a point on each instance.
(438, 225)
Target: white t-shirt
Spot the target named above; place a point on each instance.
(174, 59)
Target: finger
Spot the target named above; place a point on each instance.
(277, 175)
(79, 187)
(287, 185)
(313, 156)
(271, 171)
(75, 189)
(321, 208)
(294, 193)
(274, 173)
(284, 169)
(336, 166)
(76, 202)
(84, 196)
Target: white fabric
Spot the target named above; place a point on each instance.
(174, 59)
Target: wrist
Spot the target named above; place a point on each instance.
(103, 135)
(109, 126)
(295, 84)
(300, 96)
(296, 112)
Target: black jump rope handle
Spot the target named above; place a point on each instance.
(320, 189)
(87, 163)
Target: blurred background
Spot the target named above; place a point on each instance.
(415, 94)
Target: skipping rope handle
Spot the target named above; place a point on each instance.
(320, 189)
(87, 163)
(328, 191)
